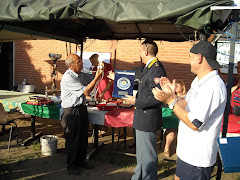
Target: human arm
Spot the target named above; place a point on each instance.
(91, 85)
(148, 81)
(170, 88)
(108, 68)
(109, 84)
(111, 75)
(129, 99)
(167, 95)
(235, 87)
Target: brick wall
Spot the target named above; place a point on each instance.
(32, 61)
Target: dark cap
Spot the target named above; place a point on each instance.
(207, 50)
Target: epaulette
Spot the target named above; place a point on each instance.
(152, 62)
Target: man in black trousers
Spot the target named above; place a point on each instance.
(75, 88)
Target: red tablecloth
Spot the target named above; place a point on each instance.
(122, 117)
(233, 124)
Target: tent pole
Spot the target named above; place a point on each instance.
(230, 73)
(115, 60)
(81, 55)
(235, 15)
(66, 49)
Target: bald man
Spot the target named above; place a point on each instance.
(75, 88)
(200, 113)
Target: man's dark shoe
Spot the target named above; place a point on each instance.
(74, 171)
(86, 165)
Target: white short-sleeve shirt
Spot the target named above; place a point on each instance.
(73, 86)
(206, 102)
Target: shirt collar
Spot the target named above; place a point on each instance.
(149, 61)
(205, 78)
(73, 73)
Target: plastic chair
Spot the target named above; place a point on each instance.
(5, 122)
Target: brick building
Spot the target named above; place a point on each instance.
(31, 60)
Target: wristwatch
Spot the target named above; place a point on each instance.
(171, 106)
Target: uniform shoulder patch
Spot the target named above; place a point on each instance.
(156, 80)
(153, 62)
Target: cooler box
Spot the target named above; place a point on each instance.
(229, 150)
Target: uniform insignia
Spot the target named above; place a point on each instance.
(152, 62)
(157, 80)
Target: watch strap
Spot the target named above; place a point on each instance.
(171, 106)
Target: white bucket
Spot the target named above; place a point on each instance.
(49, 144)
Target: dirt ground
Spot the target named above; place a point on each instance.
(27, 162)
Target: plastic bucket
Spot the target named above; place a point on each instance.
(49, 144)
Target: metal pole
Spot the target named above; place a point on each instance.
(235, 15)
(81, 55)
(115, 61)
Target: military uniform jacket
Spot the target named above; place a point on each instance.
(148, 111)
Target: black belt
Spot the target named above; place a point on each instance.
(78, 106)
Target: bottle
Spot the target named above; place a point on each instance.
(46, 93)
(24, 81)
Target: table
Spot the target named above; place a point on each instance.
(121, 117)
(96, 117)
(12, 100)
(229, 149)
(118, 118)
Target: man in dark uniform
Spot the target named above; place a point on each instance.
(138, 71)
(147, 113)
(75, 88)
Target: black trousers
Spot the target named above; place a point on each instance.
(75, 125)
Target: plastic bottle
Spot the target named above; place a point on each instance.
(46, 93)
(24, 81)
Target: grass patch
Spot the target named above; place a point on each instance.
(4, 161)
(4, 169)
(29, 156)
(36, 146)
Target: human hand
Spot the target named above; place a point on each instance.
(165, 83)
(111, 75)
(129, 99)
(164, 95)
(101, 95)
(87, 97)
(99, 99)
(109, 99)
(98, 73)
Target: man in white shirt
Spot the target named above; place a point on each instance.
(200, 113)
(75, 88)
